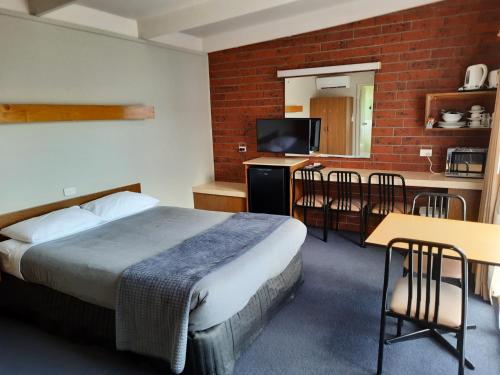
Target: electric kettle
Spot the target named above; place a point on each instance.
(475, 76)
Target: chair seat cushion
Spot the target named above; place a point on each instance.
(317, 202)
(356, 205)
(450, 304)
(450, 268)
(398, 208)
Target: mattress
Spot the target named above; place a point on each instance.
(88, 265)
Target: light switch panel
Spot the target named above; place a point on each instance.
(69, 191)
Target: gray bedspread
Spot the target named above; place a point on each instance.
(88, 265)
(154, 296)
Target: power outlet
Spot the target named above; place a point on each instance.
(69, 191)
(242, 147)
(426, 152)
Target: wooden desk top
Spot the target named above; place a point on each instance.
(419, 179)
(480, 242)
(230, 189)
(276, 162)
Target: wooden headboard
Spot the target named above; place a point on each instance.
(28, 213)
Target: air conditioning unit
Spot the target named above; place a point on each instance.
(336, 82)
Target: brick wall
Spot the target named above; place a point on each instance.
(422, 50)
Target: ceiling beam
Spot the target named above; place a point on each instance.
(338, 14)
(181, 40)
(202, 14)
(40, 7)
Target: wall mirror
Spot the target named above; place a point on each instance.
(344, 102)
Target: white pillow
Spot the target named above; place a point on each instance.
(118, 205)
(53, 225)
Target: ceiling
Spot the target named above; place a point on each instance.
(209, 25)
(262, 16)
(136, 9)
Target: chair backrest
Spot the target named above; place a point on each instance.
(313, 185)
(438, 204)
(386, 198)
(348, 184)
(436, 252)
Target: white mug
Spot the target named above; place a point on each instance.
(477, 107)
(475, 123)
(493, 79)
(486, 120)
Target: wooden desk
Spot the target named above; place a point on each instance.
(419, 179)
(469, 188)
(220, 196)
(480, 242)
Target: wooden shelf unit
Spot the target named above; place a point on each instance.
(26, 113)
(460, 101)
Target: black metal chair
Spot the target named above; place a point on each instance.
(384, 201)
(433, 305)
(313, 195)
(348, 198)
(438, 205)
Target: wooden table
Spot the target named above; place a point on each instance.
(480, 242)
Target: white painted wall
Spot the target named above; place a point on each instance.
(43, 63)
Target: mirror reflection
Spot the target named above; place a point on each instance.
(344, 103)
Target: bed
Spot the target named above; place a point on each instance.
(74, 284)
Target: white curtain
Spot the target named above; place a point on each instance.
(488, 278)
(494, 272)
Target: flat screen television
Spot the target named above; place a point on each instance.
(288, 135)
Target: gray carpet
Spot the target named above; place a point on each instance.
(330, 328)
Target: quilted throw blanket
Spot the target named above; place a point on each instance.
(154, 296)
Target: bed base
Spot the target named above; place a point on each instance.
(211, 351)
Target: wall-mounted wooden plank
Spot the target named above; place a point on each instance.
(24, 113)
(293, 108)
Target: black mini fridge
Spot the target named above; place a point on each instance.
(269, 190)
